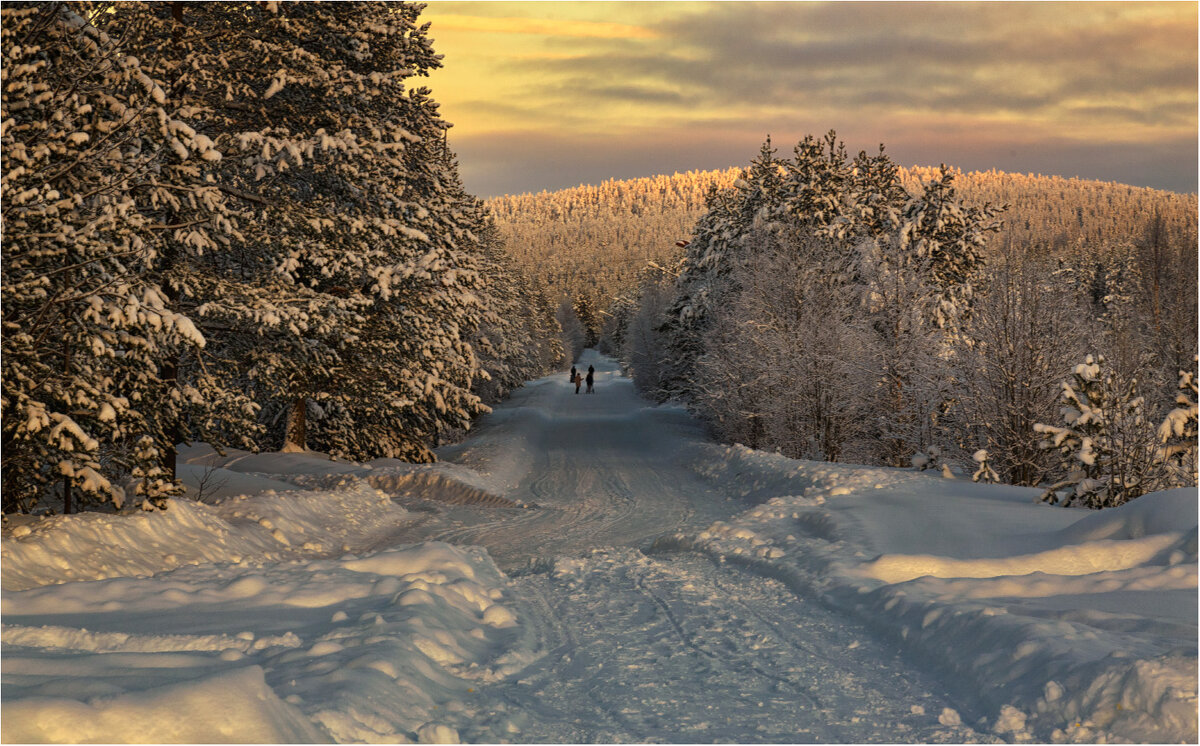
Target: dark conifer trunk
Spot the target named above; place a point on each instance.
(295, 435)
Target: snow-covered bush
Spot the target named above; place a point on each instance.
(1178, 432)
(1106, 446)
(1023, 337)
(984, 471)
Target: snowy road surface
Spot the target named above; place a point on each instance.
(677, 649)
(604, 469)
(662, 647)
(589, 568)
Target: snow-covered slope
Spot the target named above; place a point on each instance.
(781, 601)
(1067, 625)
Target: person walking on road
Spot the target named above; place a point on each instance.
(578, 380)
(572, 374)
(591, 378)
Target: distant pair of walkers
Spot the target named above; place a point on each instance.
(577, 379)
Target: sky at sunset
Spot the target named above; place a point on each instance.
(548, 95)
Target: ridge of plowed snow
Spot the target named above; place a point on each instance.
(1082, 623)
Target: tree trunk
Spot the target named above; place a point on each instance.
(67, 374)
(170, 375)
(295, 435)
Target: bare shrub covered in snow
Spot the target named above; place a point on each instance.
(789, 386)
(1023, 338)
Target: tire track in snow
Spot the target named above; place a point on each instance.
(731, 660)
(675, 648)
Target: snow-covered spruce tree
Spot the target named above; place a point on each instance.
(588, 312)
(246, 293)
(1178, 432)
(946, 239)
(615, 321)
(415, 366)
(704, 277)
(518, 338)
(91, 202)
(349, 199)
(1108, 450)
(644, 343)
(1168, 269)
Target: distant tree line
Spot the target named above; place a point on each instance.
(826, 308)
(594, 240)
(238, 223)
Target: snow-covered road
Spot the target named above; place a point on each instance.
(659, 646)
(605, 470)
(676, 648)
(590, 568)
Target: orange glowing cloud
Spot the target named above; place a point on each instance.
(680, 85)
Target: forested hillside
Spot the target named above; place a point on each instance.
(595, 239)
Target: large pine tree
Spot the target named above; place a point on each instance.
(354, 231)
(94, 201)
(237, 222)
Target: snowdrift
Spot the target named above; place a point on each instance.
(1070, 625)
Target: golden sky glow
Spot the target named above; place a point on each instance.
(552, 94)
(543, 27)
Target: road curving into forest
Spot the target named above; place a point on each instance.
(606, 469)
(657, 646)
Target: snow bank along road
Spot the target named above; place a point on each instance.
(592, 569)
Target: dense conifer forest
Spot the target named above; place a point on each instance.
(240, 224)
(596, 239)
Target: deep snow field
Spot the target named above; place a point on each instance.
(291, 603)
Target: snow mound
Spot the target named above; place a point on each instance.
(210, 484)
(441, 482)
(1076, 559)
(306, 462)
(1070, 625)
(250, 712)
(262, 527)
(243, 473)
(384, 647)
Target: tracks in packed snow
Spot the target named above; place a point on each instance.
(669, 648)
(677, 648)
